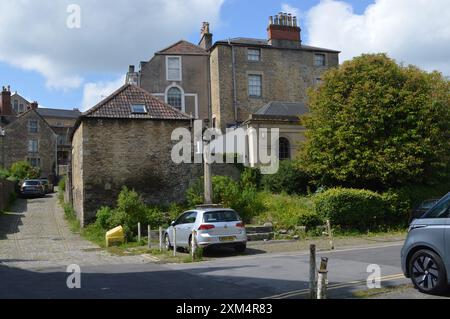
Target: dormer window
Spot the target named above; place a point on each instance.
(139, 109)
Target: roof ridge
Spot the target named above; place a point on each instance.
(179, 42)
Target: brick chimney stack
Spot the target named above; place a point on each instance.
(207, 37)
(283, 31)
(5, 102)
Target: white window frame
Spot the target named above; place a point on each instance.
(167, 68)
(29, 126)
(248, 54)
(324, 59)
(249, 74)
(32, 143)
(138, 105)
(183, 100)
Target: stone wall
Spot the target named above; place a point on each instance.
(16, 139)
(110, 154)
(286, 76)
(6, 189)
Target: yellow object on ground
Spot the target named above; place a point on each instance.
(115, 236)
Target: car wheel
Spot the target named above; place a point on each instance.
(167, 243)
(428, 272)
(240, 248)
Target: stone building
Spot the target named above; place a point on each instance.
(26, 137)
(247, 74)
(62, 122)
(178, 76)
(126, 141)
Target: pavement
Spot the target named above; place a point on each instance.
(36, 246)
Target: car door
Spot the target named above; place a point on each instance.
(185, 229)
(178, 225)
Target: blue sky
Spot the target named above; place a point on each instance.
(100, 56)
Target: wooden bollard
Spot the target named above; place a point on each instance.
(193, 244)
(322, 282)
(160, 239)
(330, 235)
(139, 232)
(174, 242)
(312, 272)
(149, 234)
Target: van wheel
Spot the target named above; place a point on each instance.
(169, 247)
(428, 272)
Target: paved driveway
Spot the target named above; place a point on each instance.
(35, 236)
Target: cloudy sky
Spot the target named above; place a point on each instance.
(45, 60)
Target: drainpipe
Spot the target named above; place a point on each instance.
(233, 57)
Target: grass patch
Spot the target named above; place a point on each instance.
(370, 293)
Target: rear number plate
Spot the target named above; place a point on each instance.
(230, 238)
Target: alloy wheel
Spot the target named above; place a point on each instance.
(425, 272)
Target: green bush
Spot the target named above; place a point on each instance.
(22, 170)
(289, 178)
(287, 212)
(62, 184)
(104, 217)
(250, 178)
(351, 208)
(4, 173)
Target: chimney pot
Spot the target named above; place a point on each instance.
(131, 69)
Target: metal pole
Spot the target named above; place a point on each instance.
(149, 233)
(322, 280)
(139, 232)
(174, 242)
(312, 272)
(160, 239)
(207, 173)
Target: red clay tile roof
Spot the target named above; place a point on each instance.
(185, 48)
(118, 105)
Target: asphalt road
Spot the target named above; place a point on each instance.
(36, 248)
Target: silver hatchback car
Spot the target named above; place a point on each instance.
(213, 227)
(426, 252)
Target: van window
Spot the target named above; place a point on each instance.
(441, 210)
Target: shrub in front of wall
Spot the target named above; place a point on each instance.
(349, 209)
(289, 179)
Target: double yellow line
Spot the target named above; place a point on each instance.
(334, 287)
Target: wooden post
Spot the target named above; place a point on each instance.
(160, 239)
(149, 234)
(193, 244)
(139, 232)
(174, 242)
(330, 234)
(312, 272)
(322, 280)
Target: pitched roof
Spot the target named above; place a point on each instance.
(283, 109)
(118, 106)
(69, 114)
(184, 48)
(265, 43)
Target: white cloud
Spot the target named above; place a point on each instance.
(411, 31)
(94, 92)
(285, 7)
(34, 34)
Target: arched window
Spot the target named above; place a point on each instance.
(285, 149)
(174, 97)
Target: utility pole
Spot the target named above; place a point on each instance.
(207, 174)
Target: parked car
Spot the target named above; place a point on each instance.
(215, 227)
(32, 187)
(422, 208)
(48, 186)
(426, 252)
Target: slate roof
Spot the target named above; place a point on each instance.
(118, 106)
(183, 47)
(283, 109)
(69, 114)
(265, 43)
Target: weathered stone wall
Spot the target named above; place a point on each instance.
(16, 139)
(286, 76)
(6, 189)
(110, 154)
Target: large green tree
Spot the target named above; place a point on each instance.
(377, 124)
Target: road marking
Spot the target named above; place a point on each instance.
(333, 287)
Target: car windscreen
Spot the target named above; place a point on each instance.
(220, 216)
(31, 183)
(440, 210)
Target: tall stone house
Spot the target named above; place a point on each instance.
(179, 76)
(244, 82)
(26, 137)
